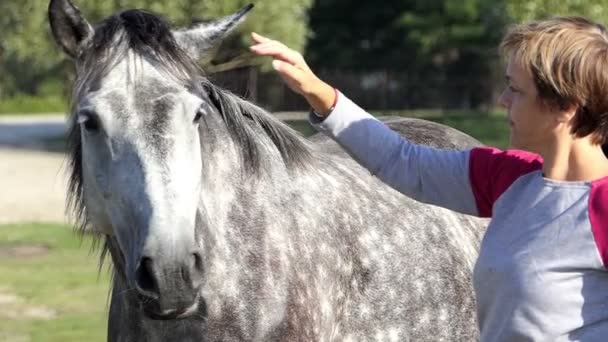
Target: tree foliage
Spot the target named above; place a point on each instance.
(402, 34)
(424, 42)
(526, 10)
(30, 62)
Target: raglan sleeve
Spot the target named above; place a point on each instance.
(430, 175)
(468, 181)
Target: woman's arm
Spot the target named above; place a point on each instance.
(429, 175)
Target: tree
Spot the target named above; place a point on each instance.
(427, 43)
(30, 59)
(526, 10)
(26, 53)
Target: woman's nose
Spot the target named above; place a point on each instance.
(503, 100)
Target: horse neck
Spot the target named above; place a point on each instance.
(226, 175)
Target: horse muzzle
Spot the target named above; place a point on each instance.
(169, 290)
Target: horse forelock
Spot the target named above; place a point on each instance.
(144, 34)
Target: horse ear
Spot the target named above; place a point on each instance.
(201, 39)
(70, 28)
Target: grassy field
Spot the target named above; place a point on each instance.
(53, 292)
(33, 105)
(489, 128)
(492, 129)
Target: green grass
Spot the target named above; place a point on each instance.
(32, 105)
(492, 130)
(64, 280)
(489, 128)
(301, 126)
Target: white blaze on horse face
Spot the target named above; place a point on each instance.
(142, 170)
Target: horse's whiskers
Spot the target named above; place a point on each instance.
(125, 291)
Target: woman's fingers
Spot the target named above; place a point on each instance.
(279, 51)
(258, 38)
(294, 77)
(269, 47)
(288, 63)
(287, 70)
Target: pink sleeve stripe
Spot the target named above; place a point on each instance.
(492, 171)
(598, 215)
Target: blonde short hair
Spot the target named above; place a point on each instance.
(567, 58)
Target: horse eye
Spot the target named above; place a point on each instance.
(199, 115)
(89, 121)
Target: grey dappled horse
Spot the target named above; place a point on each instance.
(223, 224)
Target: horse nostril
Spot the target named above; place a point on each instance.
(144, 277)
(198, 262)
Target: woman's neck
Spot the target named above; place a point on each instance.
(574, 160)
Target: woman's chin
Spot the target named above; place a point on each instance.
(515, 143)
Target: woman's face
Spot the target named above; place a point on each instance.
(532, 123)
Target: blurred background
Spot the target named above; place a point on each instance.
(433, 59)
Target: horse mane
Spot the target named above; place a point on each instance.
(150, 37)
(244, 119)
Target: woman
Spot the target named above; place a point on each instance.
(541, 273)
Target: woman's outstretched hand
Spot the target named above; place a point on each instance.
(294, 71)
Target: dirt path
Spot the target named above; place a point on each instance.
(32, 186)
(32, 180)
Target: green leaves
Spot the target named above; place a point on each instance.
(424, 38)
(29, 56)
(526, 10)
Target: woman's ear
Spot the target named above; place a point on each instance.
(566, 115)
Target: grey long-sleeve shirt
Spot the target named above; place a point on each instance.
(541, 274)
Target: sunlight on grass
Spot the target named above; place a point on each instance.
(24, 105)
(61, 280)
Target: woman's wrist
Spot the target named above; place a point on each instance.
(322, 98)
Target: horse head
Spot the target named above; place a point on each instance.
(136, 157)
